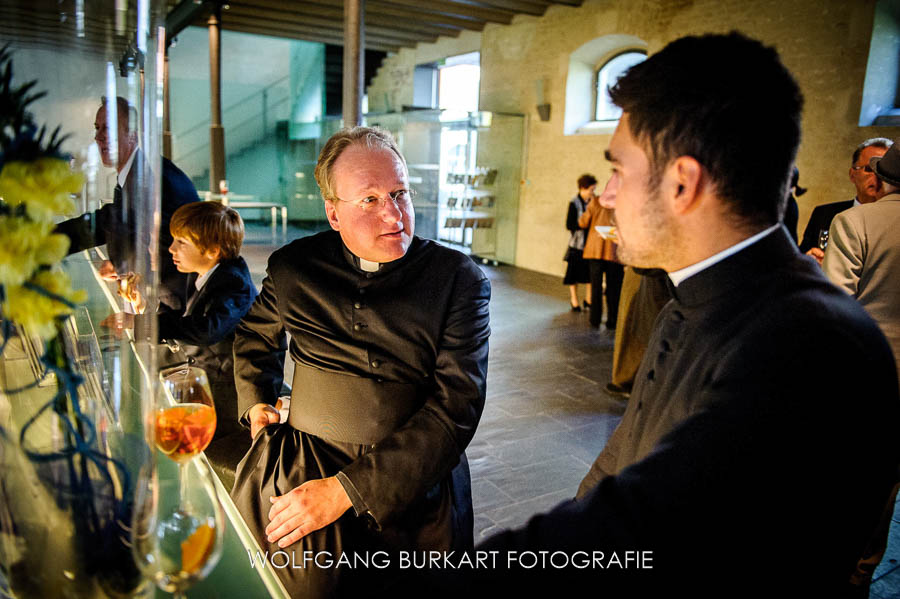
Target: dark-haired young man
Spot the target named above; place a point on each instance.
(747, 462)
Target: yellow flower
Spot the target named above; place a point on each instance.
(42, 185)
(25, 245)
(34, 310)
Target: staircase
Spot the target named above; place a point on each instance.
(248, 122)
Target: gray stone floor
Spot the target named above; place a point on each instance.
(546, 416)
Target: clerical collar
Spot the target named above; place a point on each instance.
(123, 174)
(678, 276)
(367, 266)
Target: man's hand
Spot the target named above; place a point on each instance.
(816, 253)
(307, 508)
(118, 322)
(262, 415)
(107, 271)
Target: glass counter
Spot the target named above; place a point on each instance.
(114, 374)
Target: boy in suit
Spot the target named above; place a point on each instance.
(207, 238)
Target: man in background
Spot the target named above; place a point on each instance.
(115, 224)
(863, 254)
(863, 178)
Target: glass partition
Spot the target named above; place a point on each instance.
(80, 255)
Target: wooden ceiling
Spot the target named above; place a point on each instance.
(106, 26)
(390, 24)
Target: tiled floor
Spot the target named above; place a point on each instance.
(546, 417)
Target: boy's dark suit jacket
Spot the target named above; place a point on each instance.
(821, 219)
(206, 332)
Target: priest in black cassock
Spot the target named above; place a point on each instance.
(389, 338)
(759, 444)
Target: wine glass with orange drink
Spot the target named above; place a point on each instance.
(180, 531)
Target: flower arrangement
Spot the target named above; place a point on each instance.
(72, 502)
(35, 186)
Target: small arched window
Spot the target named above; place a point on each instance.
(607, 75)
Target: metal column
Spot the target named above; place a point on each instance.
(216, 131)
(354, 61)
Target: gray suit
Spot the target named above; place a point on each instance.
(863, 258)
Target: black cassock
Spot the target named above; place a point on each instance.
(389, 384)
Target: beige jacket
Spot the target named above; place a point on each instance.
(596, 247)
(863, 258)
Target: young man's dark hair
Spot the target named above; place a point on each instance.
(737, 112)
(586, 180)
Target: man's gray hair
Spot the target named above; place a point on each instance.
(878, 142)
(371, 137)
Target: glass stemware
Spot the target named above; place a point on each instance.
(186, 415)
(823, 239)
(178, 527)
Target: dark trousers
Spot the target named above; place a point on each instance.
(614, 273)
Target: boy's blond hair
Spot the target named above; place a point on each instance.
(209, 225)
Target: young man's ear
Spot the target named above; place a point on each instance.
(331, 213)
(686, 180)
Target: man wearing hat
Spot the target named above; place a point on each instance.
(863, 254)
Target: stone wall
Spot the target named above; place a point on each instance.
(823, 42)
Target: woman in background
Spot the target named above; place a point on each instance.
(600, 255)
(577, 268)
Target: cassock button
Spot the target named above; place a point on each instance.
(362, 291)
(376, 363)
(358, 326)
(358, 305)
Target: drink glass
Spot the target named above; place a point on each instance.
(178, 528)
(185, 416)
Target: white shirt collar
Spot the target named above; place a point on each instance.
(202, 279)
(856, 202)
(123, 174)
(678, 276)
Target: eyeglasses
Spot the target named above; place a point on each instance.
(865, 168)
(401, 197)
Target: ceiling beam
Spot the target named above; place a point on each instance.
(441, 9)
(517, 6)
(260, 17)
(336, 13)
(455, 8)
(336, 29)
(422, 14)
(312, 35)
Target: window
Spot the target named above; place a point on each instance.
(592, 66)
(607, 75)
(881, 89)
(458, 82)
